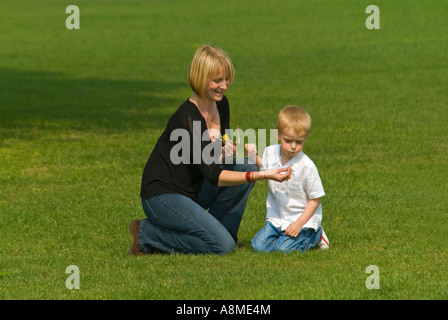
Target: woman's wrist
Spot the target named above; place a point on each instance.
(252, 176)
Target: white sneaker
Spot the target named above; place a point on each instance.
(324, 243)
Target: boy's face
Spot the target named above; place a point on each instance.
(291, 143)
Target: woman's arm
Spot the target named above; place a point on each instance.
(232, 178)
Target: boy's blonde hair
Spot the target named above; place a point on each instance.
(294, 117)
(206, 64)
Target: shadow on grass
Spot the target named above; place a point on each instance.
(48, 101)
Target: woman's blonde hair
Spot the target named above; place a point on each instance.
(206, 64)
(294, 117)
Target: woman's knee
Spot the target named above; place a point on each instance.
(248, 167)
(242, 165)
(225, 246)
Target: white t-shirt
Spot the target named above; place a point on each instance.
(287, 200)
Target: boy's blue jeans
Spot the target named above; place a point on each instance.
(271, 238)
(177, 224)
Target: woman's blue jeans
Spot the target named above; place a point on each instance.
(177, 224)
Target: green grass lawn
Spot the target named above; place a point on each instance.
(81, 110)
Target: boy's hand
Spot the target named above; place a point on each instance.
(293, 229)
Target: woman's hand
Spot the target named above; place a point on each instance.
(229, 149)
(277, 174)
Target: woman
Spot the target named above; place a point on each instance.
(177, 194)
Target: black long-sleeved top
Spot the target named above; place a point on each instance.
(161, 175)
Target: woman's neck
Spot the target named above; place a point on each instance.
(204, 104)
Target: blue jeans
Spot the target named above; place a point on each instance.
(177, 224)
(271, 238)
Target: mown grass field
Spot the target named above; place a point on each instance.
(81, 110)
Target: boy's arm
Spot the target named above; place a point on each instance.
(294, 228)
(252, 153)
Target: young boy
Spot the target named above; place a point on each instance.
(294, 212)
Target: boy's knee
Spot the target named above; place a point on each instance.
(256, 245)
(260, 245)
(286, 244)
(283, 248)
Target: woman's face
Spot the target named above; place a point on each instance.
(217, 86)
